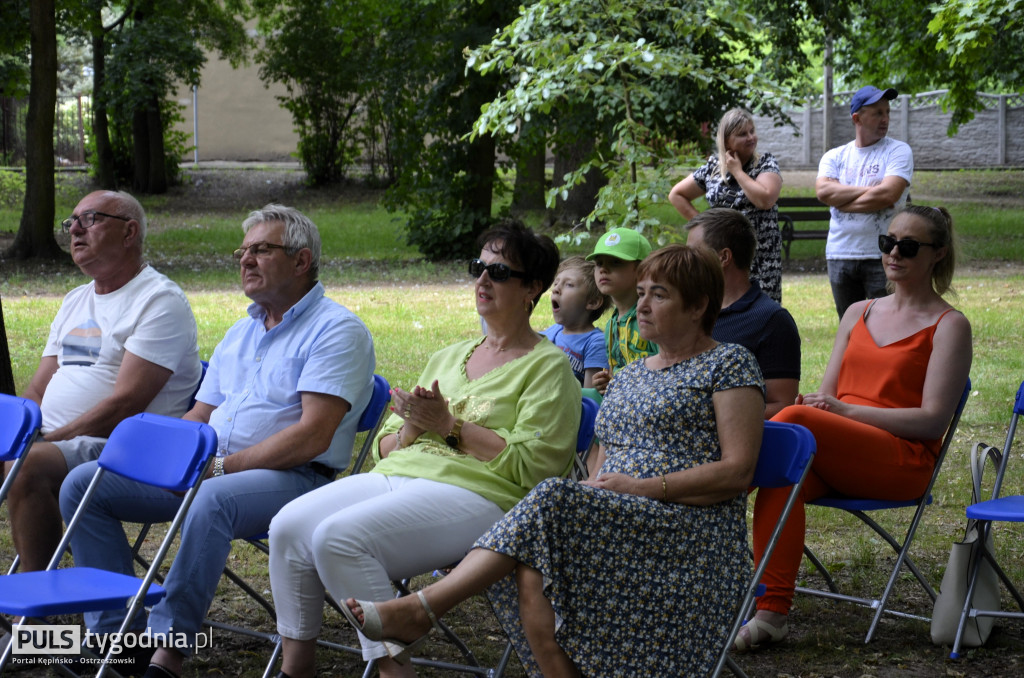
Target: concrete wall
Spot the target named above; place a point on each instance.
(238, 118)
(995, 138)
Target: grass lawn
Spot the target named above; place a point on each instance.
(413, 307)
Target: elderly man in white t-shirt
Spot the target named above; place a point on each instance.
(122, 344)
(865, 182)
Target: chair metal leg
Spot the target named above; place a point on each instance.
(820, 567)
(731, 664)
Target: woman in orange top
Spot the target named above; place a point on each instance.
(893, 381)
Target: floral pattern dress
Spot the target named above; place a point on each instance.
(766, 268)
(640, 587)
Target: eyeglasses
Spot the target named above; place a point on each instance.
(86, 219)
(908, 248)
(258, 249)
(497, 272)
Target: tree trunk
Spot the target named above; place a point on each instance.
(104, 160)
(6, 373)
(528, 194)
(582, 197)
(157, 159)
(140, 151)
(35, 234)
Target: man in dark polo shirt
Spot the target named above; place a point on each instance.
(749, 317)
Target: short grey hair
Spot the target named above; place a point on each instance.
(128, 206)
(299, 231)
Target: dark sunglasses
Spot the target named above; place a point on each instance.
(496, 272)
(908, 248)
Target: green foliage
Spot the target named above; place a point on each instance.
(983, 40)
(14, 48)
(324, 77)
(12, 188)
(153, 49)
(649, 75)
(962, 45)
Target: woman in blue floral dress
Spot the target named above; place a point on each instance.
(740, 178)
(638, 571)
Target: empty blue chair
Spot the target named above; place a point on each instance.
(860, 507)
(1006, 509)
(165, 452)
(20, 420)
(785, 457)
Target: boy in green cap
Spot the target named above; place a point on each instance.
(616, 257)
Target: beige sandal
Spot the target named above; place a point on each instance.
(760, 633)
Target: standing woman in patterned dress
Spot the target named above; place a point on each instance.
(639, 571)
(739, 178)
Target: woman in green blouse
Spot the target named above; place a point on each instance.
(489, 418)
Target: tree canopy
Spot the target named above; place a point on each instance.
(960, 45)
(653, 79)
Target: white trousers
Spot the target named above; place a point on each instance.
(357, 534)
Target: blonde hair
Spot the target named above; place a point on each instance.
(940, 228)
(734, 119)
(586, 270)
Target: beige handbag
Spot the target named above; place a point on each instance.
(953, 591)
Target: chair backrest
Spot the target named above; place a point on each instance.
(371, 419)
(161, 451)
(585, 435)
(202, 375)
(20, 420)
(1004, 457)
(374, 411)
(785, 451)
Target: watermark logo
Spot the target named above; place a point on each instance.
(45, 639)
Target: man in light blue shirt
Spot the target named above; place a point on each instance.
(283, 391)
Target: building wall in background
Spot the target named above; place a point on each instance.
(238, 118)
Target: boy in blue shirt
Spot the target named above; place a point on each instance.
(576, 303)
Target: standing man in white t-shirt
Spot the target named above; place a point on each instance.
(122, 344)
(865, 183)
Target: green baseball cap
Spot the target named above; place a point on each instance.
(622, 243)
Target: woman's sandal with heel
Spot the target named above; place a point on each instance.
(761, 633)
(371, 628)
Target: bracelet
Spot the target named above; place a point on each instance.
(664, 489)
(398, 437)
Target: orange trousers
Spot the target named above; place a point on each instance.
(853, 459)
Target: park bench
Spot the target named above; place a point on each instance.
(793, 211)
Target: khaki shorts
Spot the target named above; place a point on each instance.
(79, 450)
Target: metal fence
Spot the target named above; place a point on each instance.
(994, 138)
(72, 128)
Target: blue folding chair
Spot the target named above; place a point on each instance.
(859, 508)
(584, 438)
(165, 452)
(20, 420)
(784, 460)
(1006, 509)
(370, 422)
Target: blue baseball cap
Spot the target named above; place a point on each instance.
(870, 94)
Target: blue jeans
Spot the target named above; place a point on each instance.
(228, 507)
(854, 280)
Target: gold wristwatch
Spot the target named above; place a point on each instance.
(454, 436)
